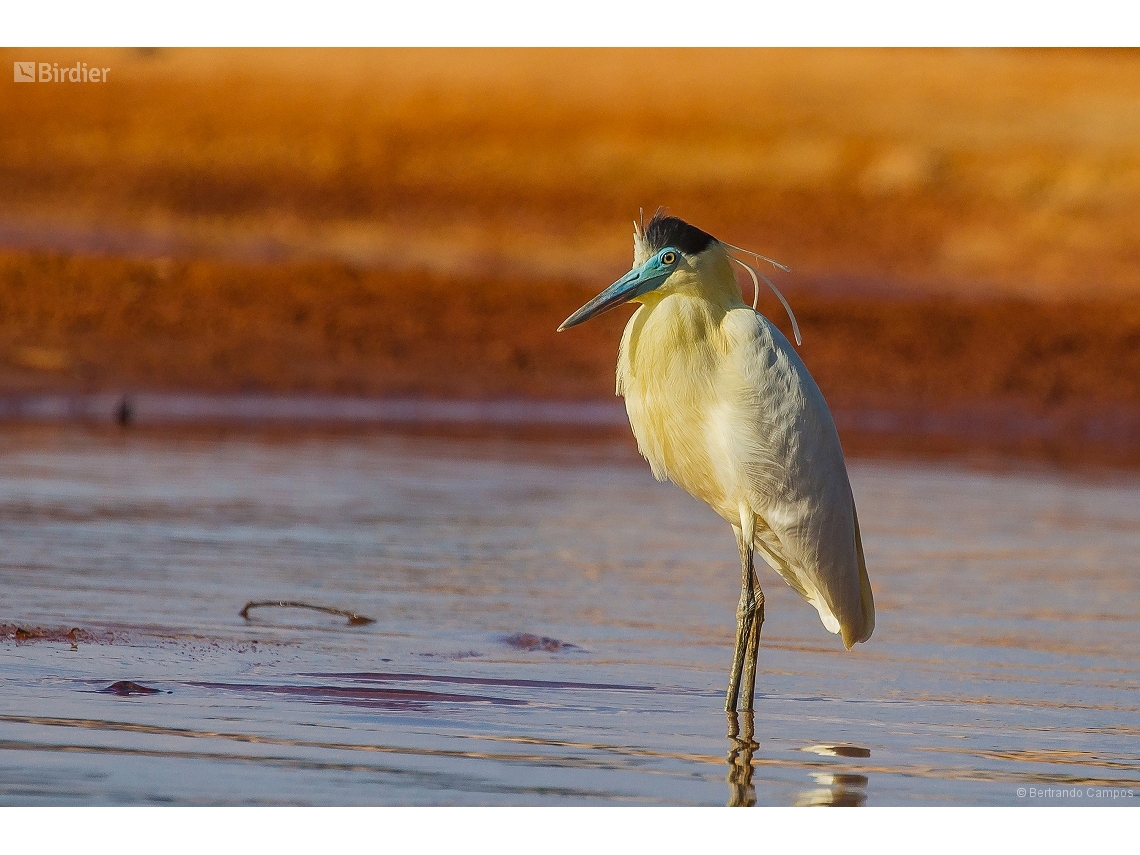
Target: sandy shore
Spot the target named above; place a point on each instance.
(98, 324)
(919, 366)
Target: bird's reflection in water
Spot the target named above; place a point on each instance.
(836, 789)
(741, 729)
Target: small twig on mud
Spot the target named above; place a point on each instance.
(353, 618)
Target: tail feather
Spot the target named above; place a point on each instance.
(854, 634)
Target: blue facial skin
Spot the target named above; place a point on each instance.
(638, 281)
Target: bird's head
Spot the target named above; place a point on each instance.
(671, 256)
(667, 253)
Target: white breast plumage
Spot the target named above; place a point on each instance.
(721, 405)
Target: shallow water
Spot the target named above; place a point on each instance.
(1003, 658)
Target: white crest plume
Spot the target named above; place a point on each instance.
(753, 272)
(640, 244)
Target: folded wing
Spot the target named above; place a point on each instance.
(796, 479)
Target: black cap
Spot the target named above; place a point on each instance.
(664, 231)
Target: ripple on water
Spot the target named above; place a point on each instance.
(550, 626)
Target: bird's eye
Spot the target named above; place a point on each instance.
(669, 258)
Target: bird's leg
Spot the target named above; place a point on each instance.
(753, 651)
(744, 614)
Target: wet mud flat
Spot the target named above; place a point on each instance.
(550, 626)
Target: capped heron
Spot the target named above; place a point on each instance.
(721, 404)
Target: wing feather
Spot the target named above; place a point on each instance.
(796, 478)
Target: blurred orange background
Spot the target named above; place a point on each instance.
(963, 226)
(973, 171)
